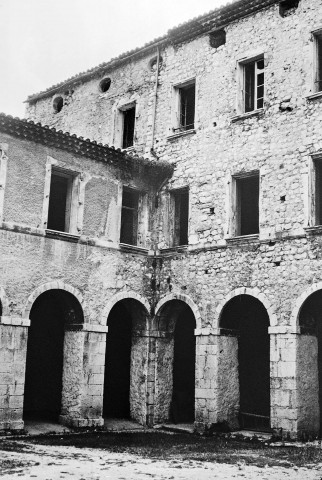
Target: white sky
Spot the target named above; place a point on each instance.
(43, 42)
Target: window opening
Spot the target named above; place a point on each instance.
(287, 7)
(217, 38)
(247, 205)
(318, 72)
(105, 84)
(187, 96)
(318, 192)
(129, 218)
(181, 200)
(254, 85)
(128, 127)
(59, 202)
(58, 104)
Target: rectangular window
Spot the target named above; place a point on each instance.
(128, 127)
(318, 62)
(318, 192)
(253, 85)
(246, 205)
(184, 107)
(60, 201)
(181, 217)
(129, 218)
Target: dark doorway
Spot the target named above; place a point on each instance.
(183, 396)
(117, 363)
(246, 317)
(310, 321)
(45, 352)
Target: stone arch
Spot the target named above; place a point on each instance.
(4, 302)
(57, 285)
(122, 296)
(294, 319)
(253, 292)
(184, 298)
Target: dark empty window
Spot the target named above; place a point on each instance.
(129, 218)
(128, 127)
(318, 73)
(287, 7)
(254, 85)
(217, 38)
(318, 192)
(187, 107)
(181, 214)
(59, 202)
(58, 104)
(247, 198)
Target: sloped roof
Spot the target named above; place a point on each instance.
(197, 26)
(50, 137)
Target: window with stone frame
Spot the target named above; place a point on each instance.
(60, 206)
(318, 61)
(130, 216)
(128, 127)
(245, 204)
(317, 192)
(185, 103)
(181, 216)
(252, 77)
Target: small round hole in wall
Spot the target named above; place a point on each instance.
(105, 84)
(58, 104)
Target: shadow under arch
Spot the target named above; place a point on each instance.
(126, 357)
(51, 313)
(244, 322)
(175, 323)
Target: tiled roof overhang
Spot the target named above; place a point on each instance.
(50, 137)
(198, 26)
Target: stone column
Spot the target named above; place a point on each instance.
(217, 382)
(162, 371)
(83, 375)
(283, 360)
(139, 394)
(13, 352)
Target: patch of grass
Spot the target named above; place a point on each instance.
(182, 447)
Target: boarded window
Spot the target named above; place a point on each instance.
(254, 85)
(247, 205)
(181, 212)
(128, 127)
(60, 197)
(129, 219)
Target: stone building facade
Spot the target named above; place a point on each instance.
(193, 278)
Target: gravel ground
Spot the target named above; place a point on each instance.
(44, 462)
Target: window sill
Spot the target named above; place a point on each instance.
(244, 116)
(177, 249)
(243, 239)
(181, 134)
(315, 230)
(313, 96)
(68, 237)
(126, 247)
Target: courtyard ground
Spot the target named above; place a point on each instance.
(155, 455)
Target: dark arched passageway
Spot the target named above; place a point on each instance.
(247, 318)
(51, 311)
(184, 361)
(118, 362)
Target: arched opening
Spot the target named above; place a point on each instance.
(176, 353)
(246, 318)
(124, 357)
(50, 313)
(309, 363)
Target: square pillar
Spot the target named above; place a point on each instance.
(83, 375)
(13, 352)
(283, 364)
